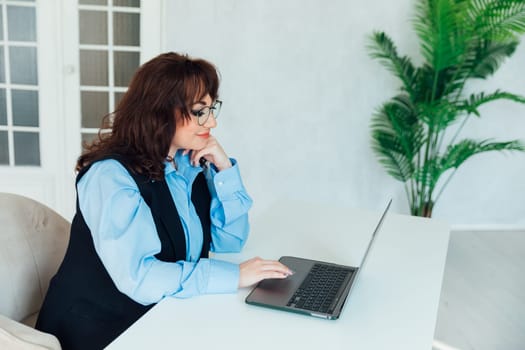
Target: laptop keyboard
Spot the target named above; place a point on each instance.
(320, 288)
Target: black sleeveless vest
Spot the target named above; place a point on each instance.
(83, 307)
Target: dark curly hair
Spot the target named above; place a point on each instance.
(143, 124)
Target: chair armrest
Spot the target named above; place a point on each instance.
(17, 336)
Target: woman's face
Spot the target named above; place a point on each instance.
(189, 135)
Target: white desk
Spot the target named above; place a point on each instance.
(393, 306)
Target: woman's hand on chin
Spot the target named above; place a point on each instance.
(213, 153)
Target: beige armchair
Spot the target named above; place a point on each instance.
(33, 241)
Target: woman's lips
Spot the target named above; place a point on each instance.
(204, 136)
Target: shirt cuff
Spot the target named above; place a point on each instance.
(223, 277)
(226, 182)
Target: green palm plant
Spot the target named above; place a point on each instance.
(415, 134)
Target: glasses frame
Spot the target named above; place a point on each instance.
(204, 113)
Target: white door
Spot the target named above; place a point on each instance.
(63, 66)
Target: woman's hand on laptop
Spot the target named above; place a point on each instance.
(257, 269)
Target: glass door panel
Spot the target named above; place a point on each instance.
(19, 85)
(109, 38)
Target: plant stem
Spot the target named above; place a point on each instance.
(407, 191)
(459, 129)
(445, 184)
(422, 194)
(414, 191)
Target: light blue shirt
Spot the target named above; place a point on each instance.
(126, 239)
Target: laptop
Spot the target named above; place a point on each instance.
(316, 288)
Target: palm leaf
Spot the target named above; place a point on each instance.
(389, 152)
(458, 153)
(395, 164)
(397, 137)
(488, 57)
(436, 24)
(382, 47)
(499, 20)
(476, 100)
(399, 119)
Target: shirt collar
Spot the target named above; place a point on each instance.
(184, 168)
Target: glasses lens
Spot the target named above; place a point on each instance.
(216, 109)
(204, 115)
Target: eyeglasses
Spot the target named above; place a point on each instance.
(204, 113)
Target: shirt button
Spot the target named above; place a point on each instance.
(220, 183)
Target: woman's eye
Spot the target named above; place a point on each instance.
(197, 113)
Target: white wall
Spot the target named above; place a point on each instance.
(299, 90)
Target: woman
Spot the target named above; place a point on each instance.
(154, 196)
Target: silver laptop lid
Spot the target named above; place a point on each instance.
(374, 234)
